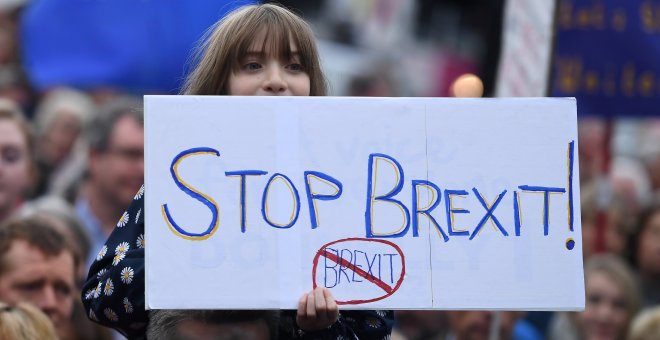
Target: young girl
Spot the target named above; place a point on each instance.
(254, 51)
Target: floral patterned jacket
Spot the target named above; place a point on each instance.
(113, 294)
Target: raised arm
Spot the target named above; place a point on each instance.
(113, 294)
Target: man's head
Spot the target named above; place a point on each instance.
(37, 266)
(116, 162)
(213, 324)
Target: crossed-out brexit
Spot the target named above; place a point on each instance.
(410, 215)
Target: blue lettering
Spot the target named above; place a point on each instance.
(489, 213)
(311, 196)
(371, 198)
(296, 202)
(335, 275)
(243, 174)
(451, 211)
(426, 211)
(546, 201)
(194, 193)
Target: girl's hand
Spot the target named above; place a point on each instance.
(317, 310)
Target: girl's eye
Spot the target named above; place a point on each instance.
(252, 66)
(295, 67)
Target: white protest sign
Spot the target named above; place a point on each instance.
(421, 203)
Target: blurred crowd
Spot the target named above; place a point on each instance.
(71, 161)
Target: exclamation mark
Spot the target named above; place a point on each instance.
(570, 243)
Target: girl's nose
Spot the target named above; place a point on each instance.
(275, 82)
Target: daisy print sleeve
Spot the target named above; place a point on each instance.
(113, 294)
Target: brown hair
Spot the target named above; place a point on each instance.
(232, 36)
(38, 233)
(24, 321)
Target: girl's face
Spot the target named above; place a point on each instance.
(605, 315)
(261, 73)
(14, 165)
(648, 250)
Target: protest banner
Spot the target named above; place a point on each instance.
(606, 55)
(422, 203)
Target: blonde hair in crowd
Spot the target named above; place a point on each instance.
(24, 321)
(232, 36)
(646, 326)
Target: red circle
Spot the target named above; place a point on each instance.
(358, 302)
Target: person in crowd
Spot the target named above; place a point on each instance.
(115, 171)
(646, 255)
(60, 122)
(646, 325)
(38, 266)
(24, 321)
(255, 50)
(421, 324)
(476, 325)
(17, 168)
(612, 300)
(213, 324)
(61, 215)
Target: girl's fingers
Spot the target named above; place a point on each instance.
(317, 310)
(302, 305)
(311, 306)
(331, 306)
(330, 302)
(319, 299)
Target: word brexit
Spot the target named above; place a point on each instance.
(410, 215)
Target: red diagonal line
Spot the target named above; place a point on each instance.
(342, 262)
